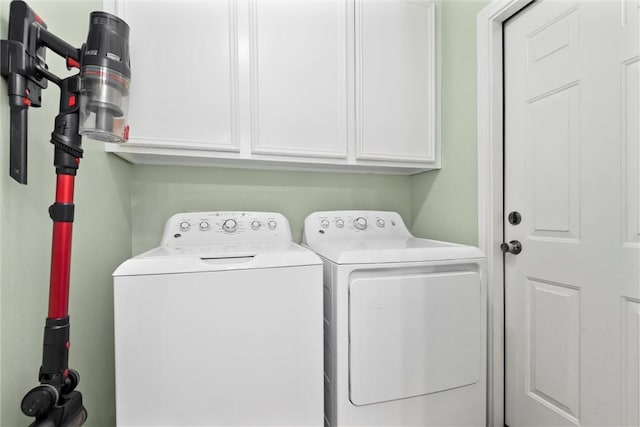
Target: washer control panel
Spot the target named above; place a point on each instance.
(355, 224)
(212, 227)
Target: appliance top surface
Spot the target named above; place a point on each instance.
(364, 237)
(215, 241)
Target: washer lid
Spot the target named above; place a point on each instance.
(236, 256)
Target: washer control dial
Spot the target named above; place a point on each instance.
(204, 225)
(324, 223)
(339, 223)
(272, 224)
(230, 225)
(255, 225)
(380, 222)
(185, 226)
(360, 223)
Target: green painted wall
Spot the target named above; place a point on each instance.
(122, 209)
(102, 239)
(444, 202)
(159, 192)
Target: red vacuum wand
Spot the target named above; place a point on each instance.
(94, 103)
(61, 252)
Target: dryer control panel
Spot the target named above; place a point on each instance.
(354, 225)
(217, 227)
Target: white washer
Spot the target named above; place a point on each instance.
(405, 323)
(220, 326)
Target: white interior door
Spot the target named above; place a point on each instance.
(571, 170)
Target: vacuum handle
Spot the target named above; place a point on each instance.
(18, 139)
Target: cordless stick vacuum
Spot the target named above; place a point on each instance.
(93, 102)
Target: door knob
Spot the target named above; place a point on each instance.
(513, 247)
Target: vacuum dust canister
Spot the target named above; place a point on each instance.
(106, 75)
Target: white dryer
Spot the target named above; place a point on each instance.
(220, 326)
(405, 323)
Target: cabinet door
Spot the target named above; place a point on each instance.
(396, 95)
(299, 74)
(184, 65)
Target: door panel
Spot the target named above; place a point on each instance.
(571, 170)
(552, 51)
(554, 345)
(552, 147)
(630, 130)
(630, 365)
(411, 335)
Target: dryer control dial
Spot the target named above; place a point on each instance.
(230, 225)
(204, 225)
(360, 223)
(380, 222)
(339, 223)
(324, 223)
(255, 225)
(185, 226)
(272, 225)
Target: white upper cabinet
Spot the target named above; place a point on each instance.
(346, 85)
(298, 77)
(396, 80)
(185, 78)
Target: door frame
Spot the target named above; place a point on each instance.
(490, 186)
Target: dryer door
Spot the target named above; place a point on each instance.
(413, 334)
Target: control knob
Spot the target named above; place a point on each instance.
(339, 223)
(255, 224)
(185, 226)
(360, 223)
(204, 226)
(324, 223)
(230, 225)
(272, 224)
(380, 222)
